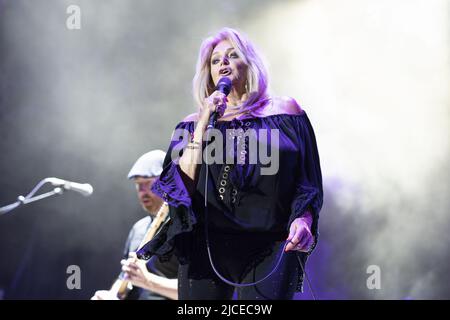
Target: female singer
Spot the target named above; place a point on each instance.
(257, 229)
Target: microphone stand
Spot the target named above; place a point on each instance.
(21, 200)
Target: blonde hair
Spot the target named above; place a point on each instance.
(257, 82)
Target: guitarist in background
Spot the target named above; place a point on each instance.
(151, 280)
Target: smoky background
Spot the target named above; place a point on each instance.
(83, 105)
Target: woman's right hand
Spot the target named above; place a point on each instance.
(192, 156)
(217, 101)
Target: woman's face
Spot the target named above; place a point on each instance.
(225, 62)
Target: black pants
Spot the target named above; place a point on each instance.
(241, 259)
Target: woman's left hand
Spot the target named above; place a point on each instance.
(300, 236)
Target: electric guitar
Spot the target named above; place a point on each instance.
(122, 287)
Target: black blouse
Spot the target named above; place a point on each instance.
(241, 199)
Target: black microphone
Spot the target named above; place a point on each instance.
(224, 86)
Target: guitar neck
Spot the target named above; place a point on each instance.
(156, 223)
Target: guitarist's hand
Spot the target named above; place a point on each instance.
(136, 272)
(104, 295)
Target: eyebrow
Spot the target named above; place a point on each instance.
(229, 49)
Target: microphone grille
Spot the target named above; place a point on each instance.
(224, 85)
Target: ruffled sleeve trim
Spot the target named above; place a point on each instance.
(309, 192)
(307, 198)
(171, 188)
